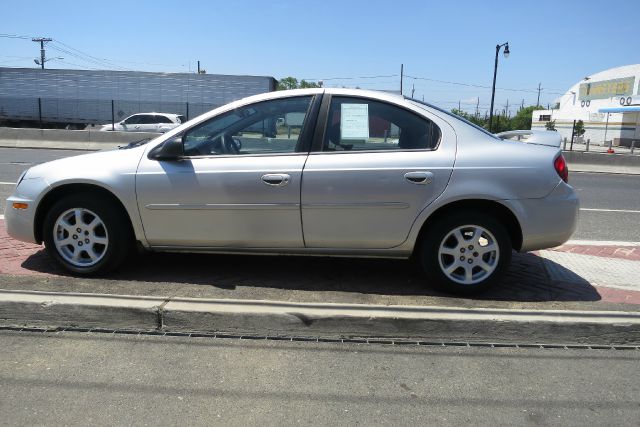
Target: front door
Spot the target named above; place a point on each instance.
(238, 185)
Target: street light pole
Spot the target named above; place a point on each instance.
(495, 73)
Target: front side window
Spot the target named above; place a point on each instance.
(261, 128)
(133, 120)
(356, 124)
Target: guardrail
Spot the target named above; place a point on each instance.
(68, 139)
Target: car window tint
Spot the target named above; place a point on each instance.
(162, 119)
(133, 120)
(148, 119)
(265, 127)
(357, 124)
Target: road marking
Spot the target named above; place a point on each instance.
(7, 183)
(609, 210)
(1, 216)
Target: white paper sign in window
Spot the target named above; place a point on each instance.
(354, 121)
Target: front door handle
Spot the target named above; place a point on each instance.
(276, 179)
(421, 178)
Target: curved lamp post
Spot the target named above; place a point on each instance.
(495, 72)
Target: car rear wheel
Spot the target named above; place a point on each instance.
(465, 253)
(86, 236)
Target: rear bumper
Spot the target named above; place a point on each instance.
(549, 221)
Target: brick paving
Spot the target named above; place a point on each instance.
(606, 251)
(527, 280)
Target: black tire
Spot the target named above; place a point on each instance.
(116, 228)
(432, 262)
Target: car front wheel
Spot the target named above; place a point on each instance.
(86, 235)
(465, 253)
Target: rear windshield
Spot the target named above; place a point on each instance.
(449, 113)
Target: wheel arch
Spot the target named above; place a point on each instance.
(491, 207)
(61, 191)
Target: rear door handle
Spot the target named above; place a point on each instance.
(276, 179)
(419, 177)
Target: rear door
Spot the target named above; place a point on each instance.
(376, 167)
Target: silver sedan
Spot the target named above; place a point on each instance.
(333, 172)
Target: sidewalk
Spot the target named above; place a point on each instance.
(576, 278)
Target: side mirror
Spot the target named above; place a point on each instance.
(171, 149)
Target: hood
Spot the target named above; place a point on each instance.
(87, 166)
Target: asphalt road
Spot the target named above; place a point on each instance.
(606, 199)
(101, 379)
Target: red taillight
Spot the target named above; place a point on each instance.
(560, 164)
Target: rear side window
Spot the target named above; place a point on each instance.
(147, 119)
(357, 124)
(182, 119)
(162, 119)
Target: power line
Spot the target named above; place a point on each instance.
(105, 61)
(475, 85)
(352, 78)
(15, 36)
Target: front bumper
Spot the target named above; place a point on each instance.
(549, 221)
(20, 223)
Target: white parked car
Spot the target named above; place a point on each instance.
(147, 122)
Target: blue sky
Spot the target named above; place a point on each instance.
(552, 42)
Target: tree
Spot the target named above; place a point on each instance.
(522, 120)
(292, 83)
(579, 129)
(288, 83)
(480, 121)
(551, 125)
(305, 84)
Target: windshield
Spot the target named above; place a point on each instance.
(423, 104)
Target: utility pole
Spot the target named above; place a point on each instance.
(198, 67)
(522, 106)
(42, 41)
(539, 89)
(507, 108)
(413, 89)
(478, 107)
(401, 76)
(459, 107)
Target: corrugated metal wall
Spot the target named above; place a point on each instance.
(85, 95)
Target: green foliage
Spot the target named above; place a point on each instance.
(521, 121)
(579, 129)
(292, 83)
(480, 121)
(288, 83)
(305, 84)
(550, 125)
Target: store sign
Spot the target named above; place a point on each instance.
(607, 89)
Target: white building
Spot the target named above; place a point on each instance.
(607, 102)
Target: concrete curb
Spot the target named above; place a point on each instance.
(275, 318)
